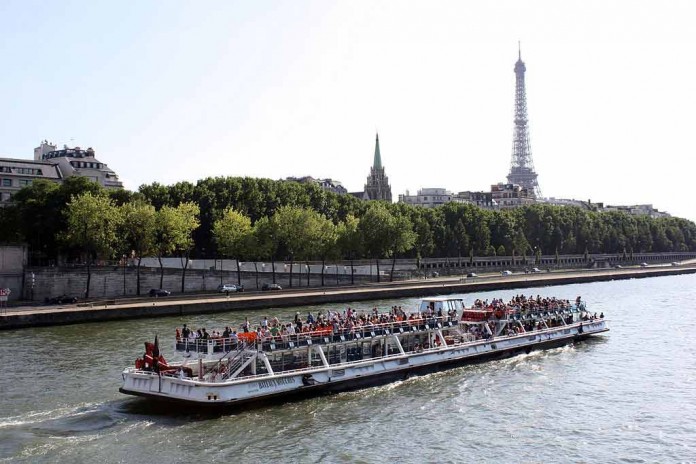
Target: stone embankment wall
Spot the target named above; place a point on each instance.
(118, 281)
(114, 282)
(13, 259)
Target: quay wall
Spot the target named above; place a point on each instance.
(13, 259)
(169, 307)
(117, 281)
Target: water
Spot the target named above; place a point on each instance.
(627, 396)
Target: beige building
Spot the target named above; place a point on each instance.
(54, 165)
(511, 195)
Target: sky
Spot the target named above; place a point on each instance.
(169, 91)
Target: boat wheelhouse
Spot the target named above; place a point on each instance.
(359, 351)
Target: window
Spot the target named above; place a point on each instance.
(24, 182)
(7, 182)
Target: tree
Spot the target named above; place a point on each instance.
(349, 241)
(325, 244)
(386, 235)
(139, 232)
(173, 233)
(265, 244)
(297, 230)
(92, 222)
(187, 223)
(233, 235)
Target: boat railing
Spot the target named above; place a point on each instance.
(219, 346)
(322, 336)
(465, 342)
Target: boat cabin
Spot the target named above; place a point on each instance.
(442, 303)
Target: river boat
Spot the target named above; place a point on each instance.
(249, 367)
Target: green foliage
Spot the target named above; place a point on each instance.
(138, 228)
(92, 222)
(290, 219)
(233, 234)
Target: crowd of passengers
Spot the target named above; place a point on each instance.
(524, 304)
(335, 322)
(352, 321)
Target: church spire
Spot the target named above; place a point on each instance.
(377, 164)
(377, 186)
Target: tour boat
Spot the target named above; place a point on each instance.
(249, 367)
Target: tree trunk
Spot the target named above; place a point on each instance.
(89, 274)
(337, 282)
(291, 263)
(273, 268)
(352, 273)
(256, 268)
(159, 257)
(391, 276)
(137, 273)
(183, 272)
(377, 261)
(239, 273)
(323, 266)
(308, 269)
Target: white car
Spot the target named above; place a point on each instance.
(227, 288)
(643, 264)
(506, 273)
(536, 269)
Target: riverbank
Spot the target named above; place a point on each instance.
(36, 316)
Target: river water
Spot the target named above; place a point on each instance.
(626, 396)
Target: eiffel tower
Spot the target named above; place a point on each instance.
(522, 167)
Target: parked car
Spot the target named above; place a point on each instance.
(536, 269)
(506, 273)
(158, 292)
(266, 287)
(62, 299)
(618, 266)
(643, 264)
(227, 288)
(472, 274)
(674, 263)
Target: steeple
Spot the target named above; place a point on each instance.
(377, 164)
(377, 186)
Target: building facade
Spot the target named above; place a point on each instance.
(329, 185)
(54, 165)
(480, 199)
(428, 197)
(78, 162)
(16, 174)
(511, 195)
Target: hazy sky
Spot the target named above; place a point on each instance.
(181, 90)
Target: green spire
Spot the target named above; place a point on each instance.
(378, 158)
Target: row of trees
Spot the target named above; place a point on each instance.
(260, 219)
